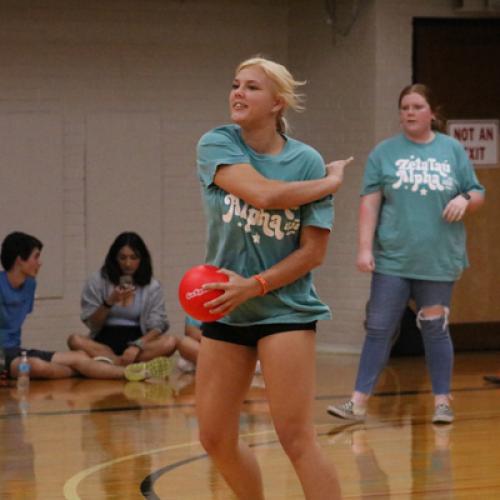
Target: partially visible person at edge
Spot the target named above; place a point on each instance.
(190, 347)
(124, 307)
(21, 260)
(417, 188)
(269, 220)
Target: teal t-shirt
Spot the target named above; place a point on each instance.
(248, 240)
(417, 181)
(188, 320)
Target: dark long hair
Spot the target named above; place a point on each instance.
(439, 123)
(111, 268)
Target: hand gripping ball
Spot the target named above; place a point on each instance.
(193, 297)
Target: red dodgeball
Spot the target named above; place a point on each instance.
(193, 297)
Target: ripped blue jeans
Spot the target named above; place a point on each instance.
(389, 297)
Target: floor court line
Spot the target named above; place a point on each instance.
(71, 485)
(324, 397)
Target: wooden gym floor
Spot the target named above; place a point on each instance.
(92, 439)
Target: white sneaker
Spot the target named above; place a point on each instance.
(348, 410)
(443, 414)
(185, 366)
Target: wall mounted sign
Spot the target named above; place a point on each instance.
(479, 138)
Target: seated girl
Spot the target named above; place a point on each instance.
(124, 308)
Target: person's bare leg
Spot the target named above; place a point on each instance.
(360, 398)
(188, 348)
(82, 364)
(288, 365)
(164, 345)
(193, 332)
(77, 342)
(41, 369)
(223, 376)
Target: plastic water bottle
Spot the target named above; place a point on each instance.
(23, 383)
(23, 373)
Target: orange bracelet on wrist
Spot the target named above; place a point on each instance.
(264, 285)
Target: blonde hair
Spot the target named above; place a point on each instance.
(285, 87)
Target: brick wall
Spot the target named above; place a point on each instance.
(153, 74)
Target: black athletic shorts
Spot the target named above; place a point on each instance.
(250, 335)
(11, 353)
(118, 337)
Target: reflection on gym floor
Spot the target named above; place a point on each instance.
(80, 438)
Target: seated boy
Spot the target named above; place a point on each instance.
(20, 258)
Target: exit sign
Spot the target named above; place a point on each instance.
(479, 138)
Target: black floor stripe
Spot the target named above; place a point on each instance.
(148, 484)
(174, 406)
